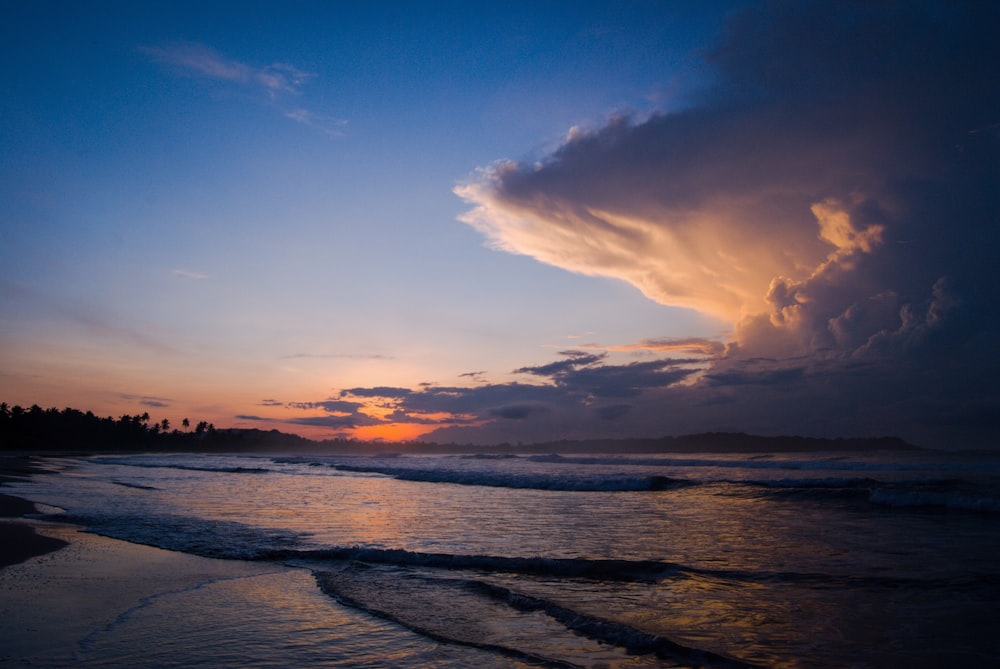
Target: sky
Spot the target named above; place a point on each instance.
(469, 223)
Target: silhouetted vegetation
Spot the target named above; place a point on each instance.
(37, 429)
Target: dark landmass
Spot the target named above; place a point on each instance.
(37, 430)
(719, 442)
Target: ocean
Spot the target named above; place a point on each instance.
(770, 560)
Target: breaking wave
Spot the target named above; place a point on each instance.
(535, 481)
(467, 612)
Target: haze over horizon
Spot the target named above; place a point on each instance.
(484, 224)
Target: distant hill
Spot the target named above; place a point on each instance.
(708, 442)
(724, 442)
(48, 430)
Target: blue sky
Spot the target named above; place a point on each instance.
(496, 224)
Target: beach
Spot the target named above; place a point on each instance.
(18, 539)
(62, 587)
(69, 597)
(241, 560)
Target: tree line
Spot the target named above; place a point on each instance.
(38, 429)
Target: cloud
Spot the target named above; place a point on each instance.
(347, 422)
(351, 356)
(574, 360)
(202, 61)
(581, 374)
(379, 391)
(613, 411)
(765, 377)
(146, 400)
(199, 60)
(337, 414)
(835, 196)
(330, 406)
(188, 274)
(328, 125)
(92, 318)
(696, 345)
(574, 392)
(276, 82)
(517, 411)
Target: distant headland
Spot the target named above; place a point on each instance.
(70, 430)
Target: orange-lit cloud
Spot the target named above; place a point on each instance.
(694, 345)
(834, 197)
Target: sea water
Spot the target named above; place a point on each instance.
(792, 560)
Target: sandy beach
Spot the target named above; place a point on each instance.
(18, 540)
(60, 588)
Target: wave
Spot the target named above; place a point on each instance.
(600, 569)
(769, 462)
(182, 466)
(238, 541)
(522, 480)
(467, 612)
(917, 494)
(198, 536)
(135, 486)
(918, 498)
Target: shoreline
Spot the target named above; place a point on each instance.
(19, 541)
(66, 591)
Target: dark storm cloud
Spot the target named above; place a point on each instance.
(622, 380)
(836, 195)
(574, 360)
(331, 406)
(613, 411)
(765, 377)
(380, 391)
(517, 411)
(336, 422)
(479, 400)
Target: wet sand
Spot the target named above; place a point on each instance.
(59, 586)
(18, 540)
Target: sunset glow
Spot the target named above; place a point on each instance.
(475, 225)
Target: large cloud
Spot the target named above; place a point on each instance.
(836, 196)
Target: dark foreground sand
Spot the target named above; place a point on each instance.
(18, 540)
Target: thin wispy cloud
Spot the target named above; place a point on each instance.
(201, 61)
(695, 345)
(328, 125)
(149, 401)
(189, 274)
(276, 82)
(97, 321)
(334, 356)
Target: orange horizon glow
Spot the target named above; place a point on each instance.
(394, 432)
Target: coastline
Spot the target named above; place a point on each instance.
(18, 539)
(65, 589)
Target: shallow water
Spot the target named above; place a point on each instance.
(790, 561)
